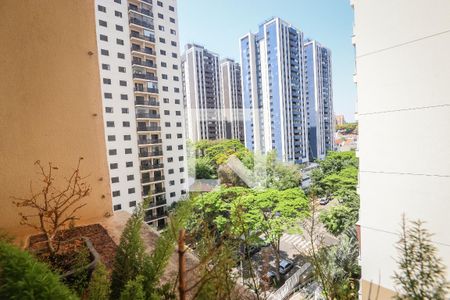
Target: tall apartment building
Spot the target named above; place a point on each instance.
(139, 65)
(231, 85)
(319, 99)
(273, 92)
(403, 101)
(201, 94)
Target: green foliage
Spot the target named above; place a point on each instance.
(337, 219)
(130, 254)
(348, 128)
(99, 286)
(133, 289)
(204, 168)
(23, 277)
(279, 175)
(421, 272)
(79, 281)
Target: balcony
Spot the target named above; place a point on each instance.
(143, 11)
(151, 167)
(146, 90)
(150, 141)
(147, 116)
(145, 76)
(152, 217)
(151, 179)
(146, 102)
(158, 202)
(148, 128)
(142, 37)
(150, 154)
(142, 23)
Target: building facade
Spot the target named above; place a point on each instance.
(319, 100)
(273, 89)
(143, 110)
(403, 101)
(340, 120)
(201, 94)
(230, 83)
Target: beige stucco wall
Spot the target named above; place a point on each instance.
(372, 291)
(50, 105)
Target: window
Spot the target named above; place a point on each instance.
(105, 67)
(127, 137)
(178, 113)
(132, 203)
(173, 43)
(118, 14)
(101, 8)
(181, 170)
(110, 124)
(104, 52)
(119, 42)
(123, 97)
(162, 40)
(113, 166)
(122, 83)
(163, 52)
(106, 81)
(120, 55)
(117, 207)
(166, 100)
(112, 151)
(176, 78)
(166, 112)
(177, 101)
(178, 124)
(170, 159)
(164, 76)
(126, 124)
(183, 192)
(118, 1)
(174, 55)
(159, 3)
(175, 67)
(182, 180)
(122, 69)
(111, 138)
(172, 31)
(172, 20)
(107, 95)
(170, 171)
(165, 88)
(163, 64)
(116, 193)
(102, 23)
(131, 191)
(180, 147)
(125, 110)
(167, 124)
(181, 158)
(172, 182)
(169, 148)
(160, 27)
(172, 194)
(103, 37)
(171, 8)
(109, 110)
(160, 16)
(176, 90)
(130, 177)
(114, 179)
(128, 151)
(129, 164)
(179, 135)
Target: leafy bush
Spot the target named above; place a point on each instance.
(99, 286)
(133, 289)
(23, 277)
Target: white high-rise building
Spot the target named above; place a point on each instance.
(144, 114)
(319, 99)
(201, 94)
(230, 86)
(273, 90)
(403, 112)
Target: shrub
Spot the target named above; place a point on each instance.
(99, 286)
(23, 277)
(133, 290)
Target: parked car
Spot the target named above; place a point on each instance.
(285, 266)
(270, 277)
(324, 201)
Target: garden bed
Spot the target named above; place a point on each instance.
(97, 235)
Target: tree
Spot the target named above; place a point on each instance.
(54, 207)
(23, 277)
(99, 286)
(204, 169)
(280, 175)
(130, 254)
(421, 272)
(133, 289)
(337, 219)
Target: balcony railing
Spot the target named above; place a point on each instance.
(146, 102)
(144, 64)
(158, 203)
(143, 11)
(150, 218)
(145, 76)
(150, 141)
(143, 37)
(149, 128)
(151, 167)
(148, 115)
(144, 89)
(150, 153)
(141, 23)
(151, 179)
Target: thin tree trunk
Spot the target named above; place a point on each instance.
(182, 265)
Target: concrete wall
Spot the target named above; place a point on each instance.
(51, 108)
(402, 73)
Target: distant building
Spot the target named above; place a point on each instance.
(319, 100)
(230, 83)
(402, 77)
(272, 62)
(340, 120)
(201, 94)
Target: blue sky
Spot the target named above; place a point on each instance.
(218, 25)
